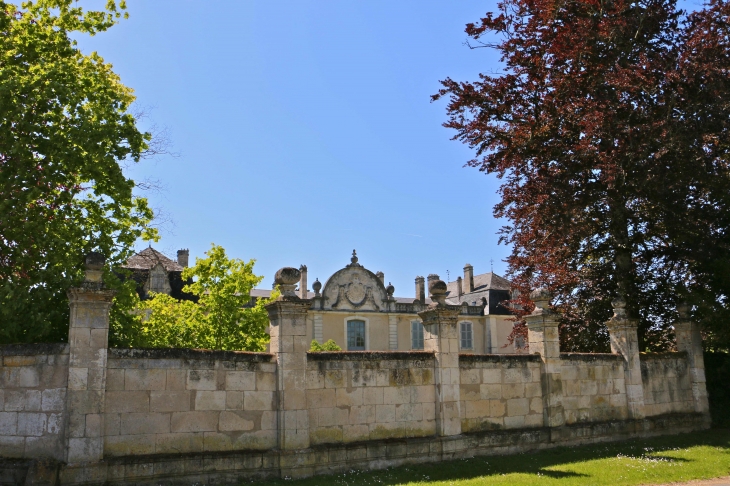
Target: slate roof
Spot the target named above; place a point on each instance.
(489, 286)
(148, 258)
(484, 281)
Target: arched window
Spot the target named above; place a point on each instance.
(416, 335)
(356, 335)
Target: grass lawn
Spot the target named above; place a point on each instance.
(684, 457)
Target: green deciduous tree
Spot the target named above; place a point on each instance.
(218, 320)
(65, 131)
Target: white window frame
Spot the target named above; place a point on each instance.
(471, 335)
(423, 343)
(367, 330)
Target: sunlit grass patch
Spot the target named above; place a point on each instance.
(666, 459)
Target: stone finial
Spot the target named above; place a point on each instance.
(94, 267)
(619, 308)
(541, 297)
(437, 291)
(684, 310)
(317, 286)
(286, 278)
(353, 259)
(390, 289)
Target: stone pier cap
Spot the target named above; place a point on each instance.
(287, 278)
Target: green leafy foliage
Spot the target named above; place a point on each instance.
(65, 132)
(218, 320)
(328, 345)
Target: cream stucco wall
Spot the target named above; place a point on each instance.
(490, 332)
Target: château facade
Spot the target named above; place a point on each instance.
(359, 312)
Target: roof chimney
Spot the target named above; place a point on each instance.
(459, 289)
(303, 282)
(420, 289)
(469, 278)
(182, 257)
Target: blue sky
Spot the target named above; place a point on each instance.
(304, 130)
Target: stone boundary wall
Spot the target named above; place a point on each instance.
(85, 414)
(360, 396)
(667, 383)
(162, 401)
(33, 381)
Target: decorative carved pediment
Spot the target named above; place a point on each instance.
(354, 288)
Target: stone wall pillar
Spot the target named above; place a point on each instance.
(290, 343)
(544, 339)
(622, 330)
(689, 340)
(440, 335)
(88, 342)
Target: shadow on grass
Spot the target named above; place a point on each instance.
(534, 463)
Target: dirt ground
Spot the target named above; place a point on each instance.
(703, 482)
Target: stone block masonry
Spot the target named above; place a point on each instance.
(361, 396)
(163, 401)
(80, 413)
(500, 392)
(33, 387)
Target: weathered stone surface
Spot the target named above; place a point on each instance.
(303, 411)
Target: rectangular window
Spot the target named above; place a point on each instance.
(466, 336)
(416, 335)
(356, 335)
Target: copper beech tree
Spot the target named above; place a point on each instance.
(608, 127)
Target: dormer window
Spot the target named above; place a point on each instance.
(158, 280)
